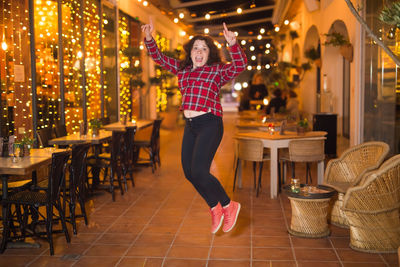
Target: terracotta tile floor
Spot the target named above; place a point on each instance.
(163, 222)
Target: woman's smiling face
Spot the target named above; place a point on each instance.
(199, 53)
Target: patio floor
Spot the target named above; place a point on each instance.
(162, 221)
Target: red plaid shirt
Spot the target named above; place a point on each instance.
(200, 86)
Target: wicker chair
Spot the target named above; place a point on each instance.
(372, 209)
(347, 170)
(251, 150)
(306, 151)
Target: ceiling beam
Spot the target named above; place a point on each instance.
(176, 5)
(233, 25)
(230, 14)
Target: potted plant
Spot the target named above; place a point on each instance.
(302, 126)
(314, 55)
(95, 125)
(26, 145)
(337, 39)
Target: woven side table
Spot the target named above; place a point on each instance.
(309, 212)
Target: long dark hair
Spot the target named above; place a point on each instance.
(213, 57)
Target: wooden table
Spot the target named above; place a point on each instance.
(276, 141)
(96, 141)
(22, 166)
(119, 126)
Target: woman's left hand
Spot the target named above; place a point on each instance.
(230, 36)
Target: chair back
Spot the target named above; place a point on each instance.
(116, 146)
(60, 130)
(57, 175)
(44, 135)
(105, 120)
(155, 135)
(129, 138)
(78, 167)
(250, 149)
(379, 190)
(307, 150)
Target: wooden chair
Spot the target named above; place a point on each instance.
(372, 209)
(31, 201)
(151, 146)
(60, 130)
(347, 170)
(251, 150)
(306, 151)
(128, 154)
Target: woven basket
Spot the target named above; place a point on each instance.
(372, 209)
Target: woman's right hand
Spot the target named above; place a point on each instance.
(147, 29)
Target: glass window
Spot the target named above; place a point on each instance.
(382, 94)
(16, 90)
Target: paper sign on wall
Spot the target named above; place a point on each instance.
(19, 73)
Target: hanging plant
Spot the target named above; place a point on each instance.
(338, 39)
(294, 34)
(391, 15)
(312, 54)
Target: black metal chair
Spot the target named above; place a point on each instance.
(151, 146)
(60, 130)
(44, 135)
(76, 185)
(31, 201)
(112, 161)
(128, 154)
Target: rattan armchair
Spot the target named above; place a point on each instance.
(347, 170)
(372, 209)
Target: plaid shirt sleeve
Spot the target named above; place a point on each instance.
(238, 64)
(168, 63)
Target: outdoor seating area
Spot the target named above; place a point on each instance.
(161, 222)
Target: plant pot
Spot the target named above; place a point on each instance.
(26, 151)
(347, 52)
(301, 130)
(95, 132)
(318, 62)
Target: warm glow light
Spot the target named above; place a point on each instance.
(252, 48)
(237, 86)
(176, 20)
(258, 67)
(206, 30)
(207, 16)
(249, 67)
(277, 29)
(239, 10)
(267, 66)
(286, 22)
(105, 21)
(236, 33)
(265, 101)
(141, 47)
(262, 30)
(268, 45)
(243, 42)
(259, 37)
(145, 3)
(182, 33)
(79, 55)
(181, 15)
(190, 37)
(253, 57)
(4, 46)
(245, 85)
(267, 51)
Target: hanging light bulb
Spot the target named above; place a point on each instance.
(239, 10)
(4, 46)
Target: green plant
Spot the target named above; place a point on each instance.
(303, 123)
(312, 54)
(95, 123)
(391, 14)
(335, 39)
(26, 140)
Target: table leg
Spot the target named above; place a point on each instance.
(274, 172)
(96, 170)
(320, 170)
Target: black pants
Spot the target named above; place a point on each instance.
(201, 139)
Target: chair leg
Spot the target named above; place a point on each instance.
(83, 209)
(259, 178)
(255, 173)
(112, 184)
(308, 172)
(234, 178)
(49, 227)
(72, 208)
(6, 227)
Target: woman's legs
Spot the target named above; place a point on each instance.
(201, 139)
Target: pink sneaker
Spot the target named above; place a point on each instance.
(217, 217)
(230, 215)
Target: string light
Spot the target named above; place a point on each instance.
(243, 42)
(286, 22)
(181, 15)
(239, 10)
(207, 16)
(262, 30)
(206, 30)
(176, 20)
